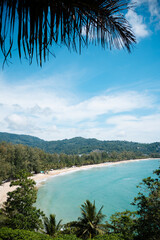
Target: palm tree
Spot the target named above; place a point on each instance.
(37, 25)
(50, 225)
(90, 222)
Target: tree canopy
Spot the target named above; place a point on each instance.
(37, 25)
(51, 226)
(123, 223)
(19, 207)
(148, 205)
(90, 222)
(14, 158)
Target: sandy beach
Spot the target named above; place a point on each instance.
(40, 177)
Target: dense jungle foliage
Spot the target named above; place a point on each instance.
(17, 234)
(17, 157)
(80, 145)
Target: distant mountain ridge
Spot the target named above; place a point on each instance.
(79, 145)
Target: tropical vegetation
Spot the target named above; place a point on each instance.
(14, 158)
(19, 234)
(90, 223)
(123, 223)
(50, 225)
(79, 145)
(18, 209)
(34, 27)
(148, 208)
(140, 225)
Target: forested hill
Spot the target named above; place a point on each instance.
(80, 145)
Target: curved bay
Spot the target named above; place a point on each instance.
(114, 187)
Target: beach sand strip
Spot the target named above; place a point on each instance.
(41, 177)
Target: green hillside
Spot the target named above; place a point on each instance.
(80, 145)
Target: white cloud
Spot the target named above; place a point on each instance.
(143, 129)
(121, 119)
(105, 104)
(137, 23)
(50, 115)
(16, 122)
(153, 7)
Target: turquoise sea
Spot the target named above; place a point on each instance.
(114, 187)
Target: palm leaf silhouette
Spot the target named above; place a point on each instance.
(39, 24)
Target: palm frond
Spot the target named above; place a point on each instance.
(38, 25)
(89, 224)
(50, 225)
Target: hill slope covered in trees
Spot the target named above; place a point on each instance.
(80, 145)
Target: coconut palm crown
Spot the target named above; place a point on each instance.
(90, 222)
(35, 26)
(50, 225)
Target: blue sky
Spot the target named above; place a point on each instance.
(103, 94)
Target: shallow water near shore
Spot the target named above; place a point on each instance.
(112, 186)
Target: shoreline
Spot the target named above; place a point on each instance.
(41, 177)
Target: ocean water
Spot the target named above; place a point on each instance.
(114, 187)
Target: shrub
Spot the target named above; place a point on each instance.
(17, 234)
